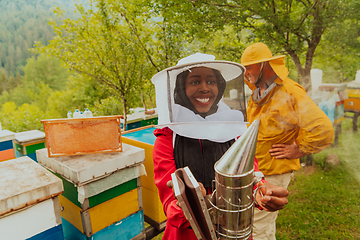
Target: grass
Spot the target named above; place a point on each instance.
(158, 237)
(324, 200)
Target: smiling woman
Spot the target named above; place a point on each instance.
(196, 127)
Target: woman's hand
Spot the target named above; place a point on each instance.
(271, 197)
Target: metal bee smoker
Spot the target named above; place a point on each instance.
(232, 202)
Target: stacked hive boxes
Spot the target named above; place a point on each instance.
(6, 145)
(353, 92)
(335, 96)
(141, 119)
(102, 196)
(150, 118)
(29, 204)
(153, 209)
(26, 143)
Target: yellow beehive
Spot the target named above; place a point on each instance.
(353, 93)
(153, 209)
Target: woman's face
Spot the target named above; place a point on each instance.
(201, 88)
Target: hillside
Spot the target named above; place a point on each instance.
(23, 22)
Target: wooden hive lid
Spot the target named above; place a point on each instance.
(30, 136)
(332, 86)
(353, 85)
(23, 182)
(83, 169)
(6, 135)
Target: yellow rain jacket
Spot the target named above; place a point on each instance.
(287, 115)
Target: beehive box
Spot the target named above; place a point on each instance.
(77, 136)
(133, 121)
(100, 190)
(6, 145)
(122, 230)
(353, 92)
(352, 104)
(335, 112)
(153, 209)
(26, 143)
(29, 205)
(149, 120)
(141, 119)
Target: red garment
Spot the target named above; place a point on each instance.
(177, 227)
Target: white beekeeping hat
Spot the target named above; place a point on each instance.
(221, 124)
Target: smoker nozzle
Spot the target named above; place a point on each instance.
(239, 158)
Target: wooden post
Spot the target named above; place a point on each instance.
(354, 117)
(355, 120)
(308, 160)
(337, 132)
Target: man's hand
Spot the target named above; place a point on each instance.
(271, 197)
(286, 151)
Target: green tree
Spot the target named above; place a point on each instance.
(45, 70)
(23, 22)
(338, 54)
(40, 95)
(42, 76)
(108, 106)
(13, 82)
(291, 27)
(100, 48)
(85, 92)
(58, 104)
(115, 44)
(3, 81)
(18, 95)
(18, 119)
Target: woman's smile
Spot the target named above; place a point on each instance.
(203, 100)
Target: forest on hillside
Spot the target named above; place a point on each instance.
(23, 22)
(57, 56)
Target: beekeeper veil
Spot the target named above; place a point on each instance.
(202, 98)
